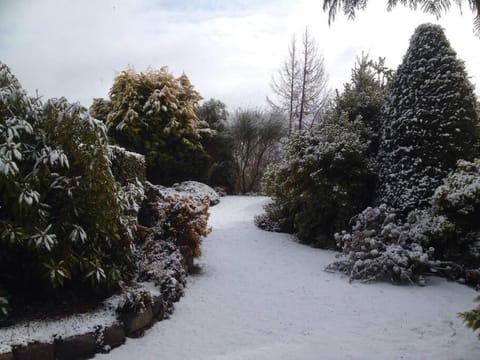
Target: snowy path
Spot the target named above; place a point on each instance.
(263, 296)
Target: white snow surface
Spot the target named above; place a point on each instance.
(261, 296)
(46, 331)
(198, 189)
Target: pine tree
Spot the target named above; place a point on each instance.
(430, 121)
(364, 97)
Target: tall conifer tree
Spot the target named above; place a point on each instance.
(430, 121)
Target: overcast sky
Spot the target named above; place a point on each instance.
(228, 49)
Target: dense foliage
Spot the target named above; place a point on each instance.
(381, 245)
(429, 221)
(430, 121)
(127, 167)
(382, 248)
(153, 113)
(320, 183)
(256, 138)
(219, 145)
(328, 175)
(162, 263)
(458, 200)
(64, 222)
(363, 98)
(180, 217)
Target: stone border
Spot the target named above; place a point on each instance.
(132, 325)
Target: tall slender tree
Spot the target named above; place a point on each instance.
(301, 84)
(430, 121)
(285, 85)
(314, 95)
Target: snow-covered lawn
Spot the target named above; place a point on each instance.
(263, 296)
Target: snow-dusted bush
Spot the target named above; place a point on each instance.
(459, 196)
(181, 217)
(458, 199)
(153, 113)
(382, 248)
(321, 182)
(162, 263)
(202, 191)
(382, 245)
(430, 121)
(274, 219)
(129, 170)
(63, 221)
(133, 300)
(276, 216)
(127, 167)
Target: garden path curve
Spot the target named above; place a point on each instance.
(262, 296)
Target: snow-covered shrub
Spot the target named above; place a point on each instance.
(382, 248)
(274, 219)
(127, 167)
(61, 214)
(459, 196)
(153, 113)
(321, 182)
(180, 216)
(472, 317)
(276, 216)
(430, 121)
(458, 199)
(134, 300)
(202, 191)
(162, 263)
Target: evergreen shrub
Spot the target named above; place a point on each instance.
(127, 167)
(380, 247)
(320, 183)
(153, 113)
(63, 222)
(458, 200)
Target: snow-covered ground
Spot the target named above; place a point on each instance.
(263, 296)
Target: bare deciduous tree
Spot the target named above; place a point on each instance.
(300, 85)
(314, 95)
(285, 85)
(256, 137)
